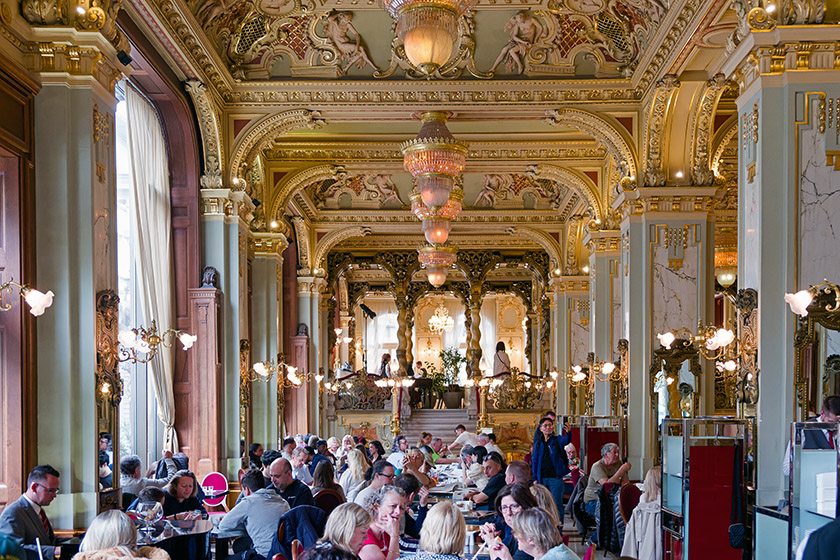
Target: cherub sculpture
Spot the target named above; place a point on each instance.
(350, 51)
(524, 30)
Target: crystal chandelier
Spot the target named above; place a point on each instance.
(441, 321)
(428, 29)
(434, 158)
(437, 221)
(436, 259)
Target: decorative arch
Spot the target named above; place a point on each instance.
(544, 239)
(332, 239)
(574, 235)
(257, 135)
(656, 114)
(211, 138)
(614, 139)
(721, 140)
(702, 128)
(300, 179)
(574, 180)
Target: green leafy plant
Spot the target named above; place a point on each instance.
(437, 377)
(451, 360)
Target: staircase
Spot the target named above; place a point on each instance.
(440, 423)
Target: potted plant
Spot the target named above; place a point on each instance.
(438, 382)
(451, 361)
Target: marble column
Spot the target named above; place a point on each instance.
(75, 257)
(787, 209)
(224, 245)
(605, 298)
(667, 269)
(572, 320)
(310, 314)
(266, 330)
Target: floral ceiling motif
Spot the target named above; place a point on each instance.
(277, 39)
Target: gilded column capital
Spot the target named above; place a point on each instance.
(602, 241)
(572, 285)
(646, 200)
(78, 59)
(268, 244)
(226, 204)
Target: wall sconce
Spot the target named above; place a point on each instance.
(827, 295)
(393, 382)
(37, 301)
(711, 342)
(578, 376)
(287, 375)
(141, 340)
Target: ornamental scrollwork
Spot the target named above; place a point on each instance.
(513, 394)
(654, 174)
(109, 385)
(358, 392)
(701, 172)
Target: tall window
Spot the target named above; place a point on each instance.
(140, 432)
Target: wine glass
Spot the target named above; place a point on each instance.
(149, 513)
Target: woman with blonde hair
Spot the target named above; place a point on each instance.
(546, 501)
(641, 537)
(443, 534)
(536, 535)
(353, 478)
(347, 527)
(112, 535)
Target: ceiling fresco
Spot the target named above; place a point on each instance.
(283, 39)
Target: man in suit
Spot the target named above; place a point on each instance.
(26, 519)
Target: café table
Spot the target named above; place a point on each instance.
(182, 539)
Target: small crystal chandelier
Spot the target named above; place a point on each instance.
(434, 158)
(428, 29)
(436, 259)
(437, 222)
(441, 321)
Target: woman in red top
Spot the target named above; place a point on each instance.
(383, 537)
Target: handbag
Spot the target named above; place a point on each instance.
(737, 531)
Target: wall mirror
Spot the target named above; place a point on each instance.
(816, 357)
(108, 397)
(674, 386)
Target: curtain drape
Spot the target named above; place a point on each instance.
(153, 244)
(381, 335)
(488, 332)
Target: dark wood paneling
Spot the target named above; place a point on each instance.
(18, 387)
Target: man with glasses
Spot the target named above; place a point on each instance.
(293, 491)
(26, 519)
(383, 473)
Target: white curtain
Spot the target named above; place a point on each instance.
(153, 245)
(381, 335)
(488, 332)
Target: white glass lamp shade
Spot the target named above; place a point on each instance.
(726, 275)
(578, 377)
(38, 301)
(799, 302)
(428, 47)
(666, 340)
(608, 368)
(435, 189)
(127, 338)
(187, 340)
(436, 275)
(260, 369)
(437, 230)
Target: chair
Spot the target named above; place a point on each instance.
(297, 549)
(328, 499)
(628, 499)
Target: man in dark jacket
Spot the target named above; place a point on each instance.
(549, 463)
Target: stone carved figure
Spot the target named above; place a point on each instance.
(337, 28)
(210, 277)
(524, 30)
(302, 330)
(210, 10)
(383, 188)
(43, 12)
(494, 186)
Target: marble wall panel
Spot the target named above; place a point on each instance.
(579, 343)
(750, 234)
(674, 291)
(616, 289)
(819, 208)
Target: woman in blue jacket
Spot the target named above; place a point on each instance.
(548, 460)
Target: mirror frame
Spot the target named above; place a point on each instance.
(806, 345)
(109, 390)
